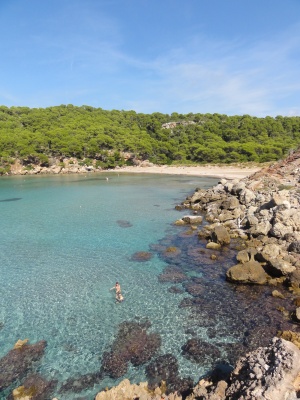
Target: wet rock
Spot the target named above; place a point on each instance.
(18, 362)
(200, 351)
(250, 272)
(141, 256)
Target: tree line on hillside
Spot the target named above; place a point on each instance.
(33, 135)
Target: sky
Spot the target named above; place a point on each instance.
(231, 57)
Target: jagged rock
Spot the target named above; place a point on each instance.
(220, 235)
(262, 228)
(295, 247)
(279, 230)
(270, 251)
(231, 203)
(278, 267)
(294, 279)
(238, 187)
(249, 272)
(243, 256)
(266, 373)
(246, 196)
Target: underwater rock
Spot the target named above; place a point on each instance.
(141, 256)
(81, 383)
(132, 344)
(165, 368)
(175, 290)
(249, 272)
(162, 368)
(172, 274)
(18, 362)
(194, 289)
(199, 351)
(35, 387)
(124, 224)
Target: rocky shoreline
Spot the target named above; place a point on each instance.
(260, 212)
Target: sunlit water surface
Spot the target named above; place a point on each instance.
(62, 249)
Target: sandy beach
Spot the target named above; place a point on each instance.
(226, 171)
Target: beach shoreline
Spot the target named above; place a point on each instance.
(214, 171)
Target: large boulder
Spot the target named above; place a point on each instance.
(246, 196)
(231, 203)
(192, 219)
(220, 235)
(250, 272)
(266, 373)
(278, 267)
(262, 228)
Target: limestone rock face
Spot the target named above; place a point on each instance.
(249, 272)
(266, 373)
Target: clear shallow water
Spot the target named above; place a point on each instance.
(61, 250)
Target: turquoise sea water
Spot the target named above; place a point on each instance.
(62, 249)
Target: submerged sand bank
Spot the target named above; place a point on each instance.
(226, 171)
